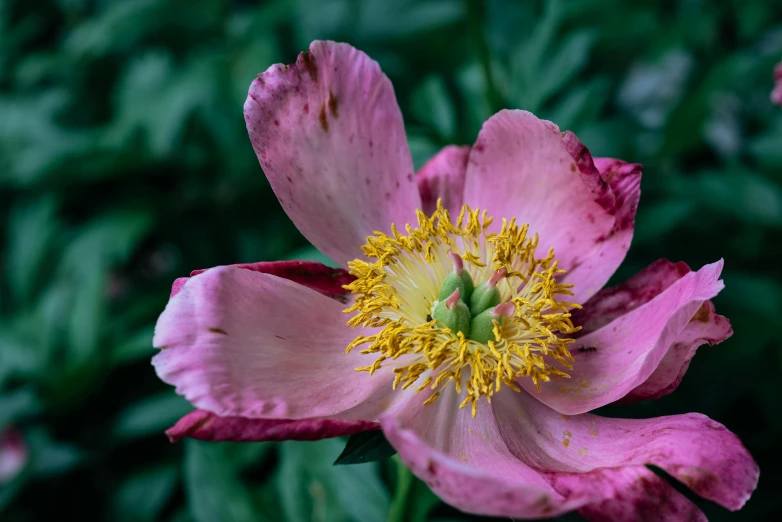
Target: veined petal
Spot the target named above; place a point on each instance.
(205, 425)
(581, 452)
(612, 360)
(522, 167)
(706, 326)
(613, 302)
(521, 459)
(240, 343)
(467, 464)
(329, 135)
(443, 177)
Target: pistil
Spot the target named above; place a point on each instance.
(453, 314)
(433, 326)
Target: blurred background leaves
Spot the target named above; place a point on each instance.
(124, 163)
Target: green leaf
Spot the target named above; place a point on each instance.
(562, 66)
(747, 195)
(214, 491)
(106, 242)
(658, 219)
(432, 105)
(422, 502)
(144, 494)
(136, 346)
(153, 415)
(367, 446)
(404, 483)
(17, 404)
(32, 228)
(311, 488)
(50, 457)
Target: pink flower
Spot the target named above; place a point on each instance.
(776, 94)
(13, 455)
(450, 312)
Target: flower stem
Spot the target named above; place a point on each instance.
(404, 481)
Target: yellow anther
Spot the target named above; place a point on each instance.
(396, 290)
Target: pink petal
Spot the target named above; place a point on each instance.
(613, 360)
(204, 425)
(632, 494)
(611, 303)
(520, 459)
(13, 454)
(598, 267)
(242, 343)
(706, 326)
(329, 135)
(776, 94)
(177, 285)
(522, 167)
(580, 453)
(443, 177)
(466, 463)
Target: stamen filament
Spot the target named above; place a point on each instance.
(524, 328)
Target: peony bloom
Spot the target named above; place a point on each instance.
(776, 94)
(469, 300)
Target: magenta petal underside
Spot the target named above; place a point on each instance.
(615, 301)
(241, 343)
(329, 135)
(317, 276)
(442, 177)
(706, 326)
(204, 425)
(614, 359)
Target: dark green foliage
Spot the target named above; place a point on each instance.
(369, 446)
(124, 163)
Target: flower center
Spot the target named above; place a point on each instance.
(455, 303)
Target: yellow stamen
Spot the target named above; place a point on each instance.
(396, 293)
